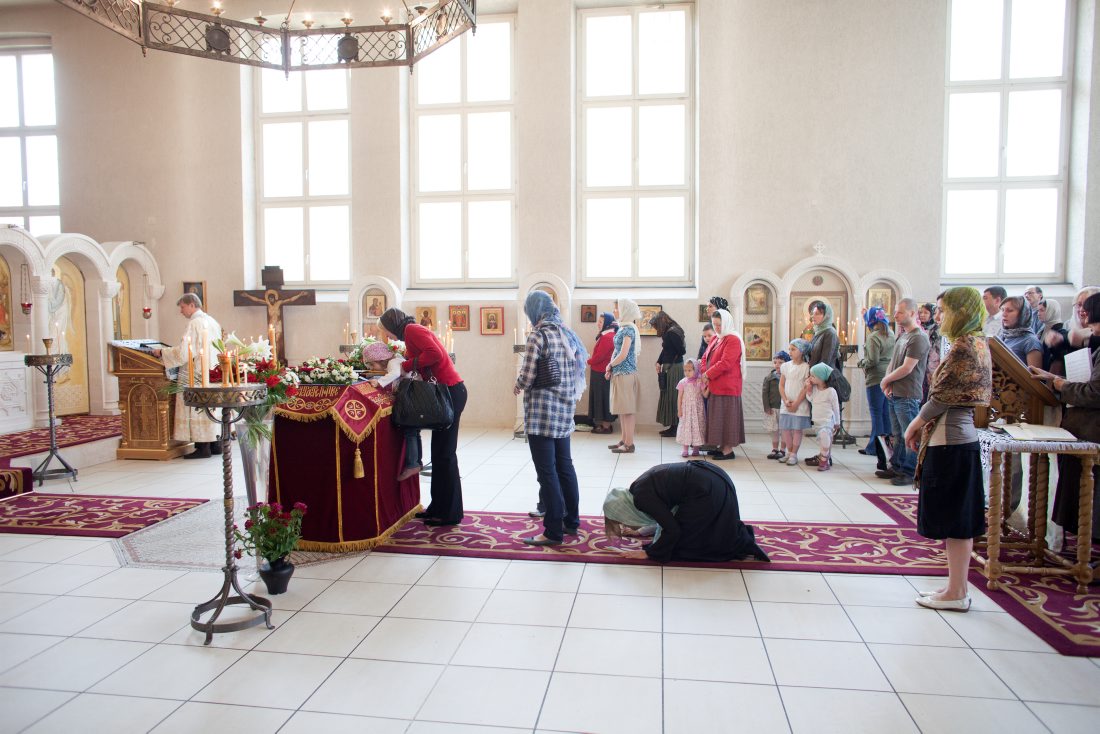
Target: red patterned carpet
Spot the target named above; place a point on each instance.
(1048, 605)
(74, 430)
(91, 515)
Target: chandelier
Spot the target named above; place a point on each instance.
(168, 27)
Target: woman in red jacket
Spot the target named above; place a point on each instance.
(599, 389)
(425, 354)
(722, 376)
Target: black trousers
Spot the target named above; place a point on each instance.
(446, 501)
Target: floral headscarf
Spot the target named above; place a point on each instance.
(965, 313)
(803, 348)
(876, 315)
(540, 309)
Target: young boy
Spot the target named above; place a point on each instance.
(773, 401)
(825, 408)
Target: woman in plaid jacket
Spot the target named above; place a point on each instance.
(548, 415)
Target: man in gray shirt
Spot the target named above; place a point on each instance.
(904, 387)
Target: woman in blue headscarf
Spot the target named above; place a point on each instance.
(877, 353)
(599, 388)
(549, 401)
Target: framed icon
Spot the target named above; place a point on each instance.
(645, 328)
(758, 342)
(492, 320)
(374, 304)
(704, 316)
(588, 313)
(757, 299)
(198, 287)
(882, 296)
(459, 317)
(425, 316)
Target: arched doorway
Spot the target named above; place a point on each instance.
(68, 328)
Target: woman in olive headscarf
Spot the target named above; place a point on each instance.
(670, 370)
(949, 466)
(694, 506)
(825, 345)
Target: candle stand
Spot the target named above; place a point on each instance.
(842, 437)
(51, 365)
(233, 402)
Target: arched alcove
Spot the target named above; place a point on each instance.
(369, 291)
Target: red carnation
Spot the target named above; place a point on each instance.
(247, 524)
(272, 381)
(237, 553)
(291, 391)
(300, 506)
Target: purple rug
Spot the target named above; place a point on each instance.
(1048, 605)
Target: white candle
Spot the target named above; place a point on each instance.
(28, 343)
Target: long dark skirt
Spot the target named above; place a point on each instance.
(1067, 498)
(668, 404)
(725, 421)
(952, 495)
(599, 399)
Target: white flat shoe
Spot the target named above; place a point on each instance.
(929, 592)
(945, 605)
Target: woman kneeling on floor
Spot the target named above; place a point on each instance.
(693, 506)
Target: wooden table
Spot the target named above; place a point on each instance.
(1039, 559)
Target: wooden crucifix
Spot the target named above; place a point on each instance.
(274, 298)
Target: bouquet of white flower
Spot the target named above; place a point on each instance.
(326, 371)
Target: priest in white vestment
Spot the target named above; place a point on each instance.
(192, 424)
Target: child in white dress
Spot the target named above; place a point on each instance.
(378, 356)
(692, 429)
(826, 413)
(794, 414)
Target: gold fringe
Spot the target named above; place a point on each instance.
(358, 472)
(355, 546)
(331, 413)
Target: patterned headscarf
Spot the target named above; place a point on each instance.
(720, 304)
(876, 315)
(965, 313)
(827, 322)
(609, 322)
(540, 310)
(931, 322)
(803, 348)
(782, 355)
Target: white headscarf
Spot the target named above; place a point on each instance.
(628, 314)
(1074, 321)
(726, 330)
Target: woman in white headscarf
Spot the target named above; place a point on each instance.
(723, 377)
(622, 371)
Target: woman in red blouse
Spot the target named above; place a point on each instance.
(426, 354)
(723, 376)
(599, 389)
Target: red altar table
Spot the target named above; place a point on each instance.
(336, 450)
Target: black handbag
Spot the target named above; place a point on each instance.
(547, 369)
(420, 404)
(662, 380)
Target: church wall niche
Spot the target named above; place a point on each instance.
(68, 325)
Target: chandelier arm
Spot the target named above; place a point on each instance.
(286, 21)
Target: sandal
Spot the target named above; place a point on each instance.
(624, 449)
(614, 446)
(775, 454)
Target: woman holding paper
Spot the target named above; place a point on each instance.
(1082, 419)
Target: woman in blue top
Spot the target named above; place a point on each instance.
(622, 370)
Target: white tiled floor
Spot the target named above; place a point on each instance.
(427, 645)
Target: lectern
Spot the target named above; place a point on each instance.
(148, 411)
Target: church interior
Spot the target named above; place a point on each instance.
(177, 179)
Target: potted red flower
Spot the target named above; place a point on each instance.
(271, 532)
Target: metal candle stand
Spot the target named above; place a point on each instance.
(233, 401)
(842, 437)
(51, 365)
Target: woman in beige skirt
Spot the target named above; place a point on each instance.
(622, 371)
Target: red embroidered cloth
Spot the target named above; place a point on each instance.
(317, 435)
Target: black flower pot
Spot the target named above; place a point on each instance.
(276, 575)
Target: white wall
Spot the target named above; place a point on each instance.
(817, 121)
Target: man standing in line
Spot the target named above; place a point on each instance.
(192, 424)
(992, 297)
(903, 386)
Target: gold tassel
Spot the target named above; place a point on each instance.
(358, 472)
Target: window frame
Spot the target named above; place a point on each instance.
(22, 131)
(464, 196)
(635, 191)
(1002, 183)
(305, 201)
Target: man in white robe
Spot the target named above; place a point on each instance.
(192, 424)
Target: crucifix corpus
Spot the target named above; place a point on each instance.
(274, 297)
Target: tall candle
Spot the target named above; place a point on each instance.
(28, 343)
(515, 336)
(190, 364)
(346, 331)
(202, 367)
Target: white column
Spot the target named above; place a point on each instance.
(102, 385)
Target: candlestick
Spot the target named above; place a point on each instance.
(205, 381)
(190, 364)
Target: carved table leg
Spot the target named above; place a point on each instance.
(1083, 572)
(994, 519)
(1040, 488)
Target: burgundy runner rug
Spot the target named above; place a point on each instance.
(74, 430)
(91, 515)
(1048, 605)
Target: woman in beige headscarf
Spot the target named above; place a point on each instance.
(622, 371)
